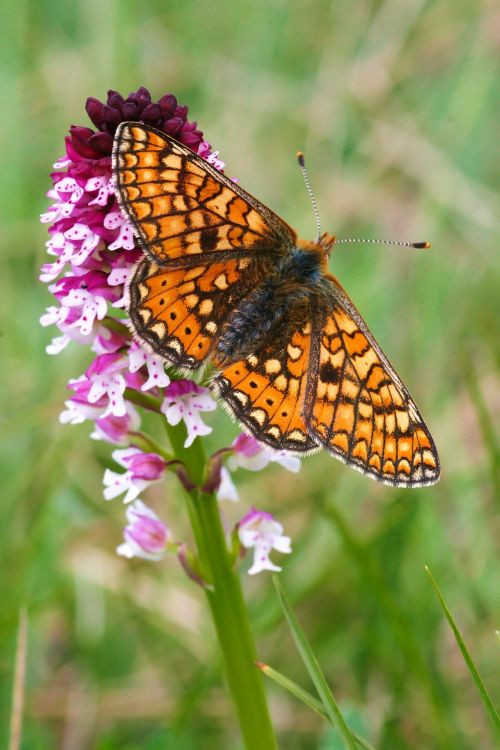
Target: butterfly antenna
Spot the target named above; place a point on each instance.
(302, 165)
(419, 245)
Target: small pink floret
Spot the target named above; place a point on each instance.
(146, 536)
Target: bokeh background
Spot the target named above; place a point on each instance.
(393, 104)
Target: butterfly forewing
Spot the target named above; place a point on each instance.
(183, 210)
(358, 408)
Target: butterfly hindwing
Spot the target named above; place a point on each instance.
(183, 210)
(358, 408)
(266, 391)
(179, 312)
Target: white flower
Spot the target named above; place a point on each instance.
(138, 357)
(66, 193)
(184, 400)
(106, 382)
(105, 187)
(125, 239)
(227, 489)
(117, 277)
(83, 234)
(260, 530)
(93, 307)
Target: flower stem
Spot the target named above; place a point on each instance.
(225, 597)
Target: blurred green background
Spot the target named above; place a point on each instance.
(393, 104)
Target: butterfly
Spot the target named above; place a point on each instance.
(224, 279)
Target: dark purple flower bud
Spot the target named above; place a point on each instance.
(141, 96)
(115, 100)
(173, 126)
(168, 105)
(181, 112)
(94, 109)
(166, 115)
(130, 111)
(102, 143)
(77, 143)
(151, 113)
(191, 136)
(110, 116)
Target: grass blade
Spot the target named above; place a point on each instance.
(305, 697)
(330, 704)
(16, 716)
(483, 692)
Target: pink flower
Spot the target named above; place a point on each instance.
(100, 391)
(249, 454)
(142, 470)
(116, 429)
(92, 249)
(109, 342)
(261, 531)
(145, 535)
(204, 150)
(184, 400)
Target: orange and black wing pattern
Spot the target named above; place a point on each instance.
(296, 378)
(179, 312)
(266, 391)
(183, 210)
(358, 409)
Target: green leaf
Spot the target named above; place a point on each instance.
(292, 687)
(483, 692)
(329, 703)
(305, 697)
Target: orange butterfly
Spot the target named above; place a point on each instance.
(225, 279)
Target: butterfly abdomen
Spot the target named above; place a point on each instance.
(252, 322)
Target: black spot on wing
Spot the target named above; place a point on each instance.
(328, 373)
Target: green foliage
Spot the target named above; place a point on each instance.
(393, 105)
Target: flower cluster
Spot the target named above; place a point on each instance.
(93, 249)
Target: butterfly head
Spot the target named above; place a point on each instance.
(327, 241)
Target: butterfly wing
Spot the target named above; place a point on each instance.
(178, 312)
(183, 210)
(358, 409)
(266, 391)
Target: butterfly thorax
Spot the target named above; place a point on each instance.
(282, 301)
(321, 248)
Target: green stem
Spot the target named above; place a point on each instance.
(225, 597)
(148, 444)
(142, 399)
